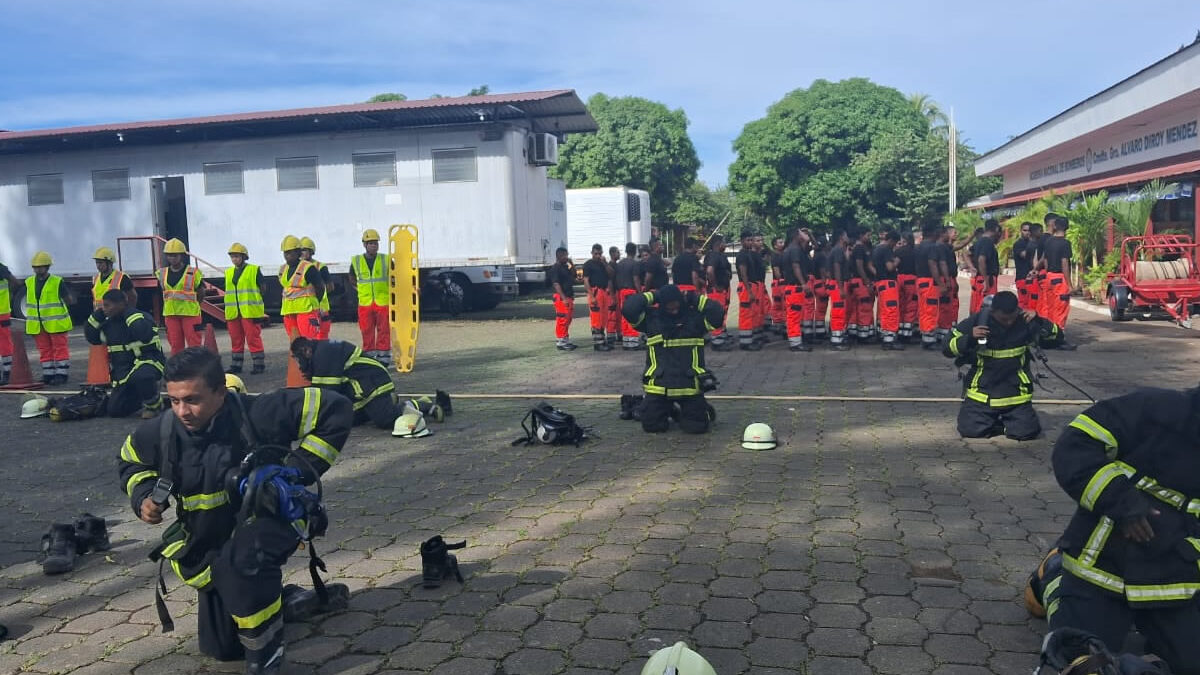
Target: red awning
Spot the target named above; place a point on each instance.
(1088, 186)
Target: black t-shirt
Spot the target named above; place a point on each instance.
(987, 248)
(627, 268)
(837, 260)
(237, 275)
(1022, 254)
(926, 253)
(860, 253)
(564, 276)
(794, 255)
(746, 258)
(596, 273)
(820, 262)
(1054, 250)
(779, 259)
(946, 252)
(654, 272)
(759, 270)
(312, 276)
(681, 269)
(1041, 244)
(722, 270)
(880, 257)
(908, 261)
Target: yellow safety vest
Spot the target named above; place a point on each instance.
(325, 300)
(180, 299)
(372, 281)
(299, 297)
(243, 298)
(100, 287)
(47, 311)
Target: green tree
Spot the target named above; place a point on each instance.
(697, 206)
(1131, 216)
(796, 165)
(390, 96)
(906, 172)
(939, 123)
(481, 90)
(640, 143)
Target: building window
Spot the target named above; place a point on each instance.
(373, 169)
(45, 189)
(223, 178)
(296, 173)
(454, 166)
(110, 185)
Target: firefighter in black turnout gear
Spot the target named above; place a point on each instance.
(135, 357)
(998, 388)
(675, 325)
(190, 458)
(334, 365)
(1130, 552)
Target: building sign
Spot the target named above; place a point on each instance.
(1175, 136)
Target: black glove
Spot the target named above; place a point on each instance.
(98, 315)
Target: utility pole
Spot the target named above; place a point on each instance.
(953, 164)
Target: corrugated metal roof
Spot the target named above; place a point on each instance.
(557, 111)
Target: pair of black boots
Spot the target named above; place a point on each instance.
(631, 406)
(437, 563)
(64, 542)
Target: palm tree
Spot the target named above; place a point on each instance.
(939, 123)
(1131, 216)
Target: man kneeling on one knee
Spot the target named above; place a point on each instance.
(998, 388)
(675, 325)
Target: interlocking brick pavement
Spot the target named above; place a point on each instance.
(872, 540)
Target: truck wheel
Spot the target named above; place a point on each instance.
(482, 300)
(1118, 302)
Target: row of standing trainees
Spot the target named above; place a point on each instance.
(305, 303)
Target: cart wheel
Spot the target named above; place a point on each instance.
(1116, 308)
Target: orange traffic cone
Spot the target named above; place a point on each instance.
(295, 378)
(210, 339)
(97, 373)
(21, 376)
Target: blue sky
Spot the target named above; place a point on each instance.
(1003, 67)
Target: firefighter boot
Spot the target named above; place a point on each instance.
(627, 404)
(443, 399)
(91, 534)
(59, 549)
(301, 604)
(437, 562)
(268, 660)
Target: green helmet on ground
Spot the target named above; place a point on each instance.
(677, 659)
(758, 436)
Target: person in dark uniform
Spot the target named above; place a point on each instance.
(887, 289)
(718, 273)
(1022, 254)
(1056, 294)
(612, 330)
(653, 270)
(861, 287)
(598, 283)
(929, 264)
(778, 314)
(986, 261)
(234, 561)
(796, 272)
(760, 292)
(675, 325)
(341, 367)
(839, 311)
(906, 276)
(747, 262)
(627, 284)
(686, 270)
(135, 356)
(820, 280)
(1132, 463)
(998, 388)
(948, 267)
(562, 280)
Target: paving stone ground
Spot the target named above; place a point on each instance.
(873, 540)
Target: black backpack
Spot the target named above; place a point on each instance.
(549, 425)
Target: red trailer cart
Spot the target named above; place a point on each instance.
(1157, 277)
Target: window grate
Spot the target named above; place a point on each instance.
(374, 169)
(223, 178)
(45, 189)
(110, 185)
(455, 166)
(296, 173)
(634, 206)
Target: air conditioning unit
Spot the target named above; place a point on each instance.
(542, 150)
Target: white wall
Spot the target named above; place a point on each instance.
(459, 223)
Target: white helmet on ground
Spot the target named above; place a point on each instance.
(758, 436)
(677, 659)
(35, 407)
(411, 425)
(545, 433)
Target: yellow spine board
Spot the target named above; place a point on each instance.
(405, 304)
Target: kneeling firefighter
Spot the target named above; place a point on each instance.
(135, 357)
(675, 325)
(334, 365)
(226, 462)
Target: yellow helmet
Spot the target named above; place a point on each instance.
(290, 243)
(677, 659)
(236, 247)
(234, 383)
(175, 246)
(104, 253)
(370, 235)
(308, 243)
(41, 259)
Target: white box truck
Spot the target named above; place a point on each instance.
(609, 216)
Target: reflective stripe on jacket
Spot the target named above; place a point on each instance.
(243, 299)
(48, 311)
